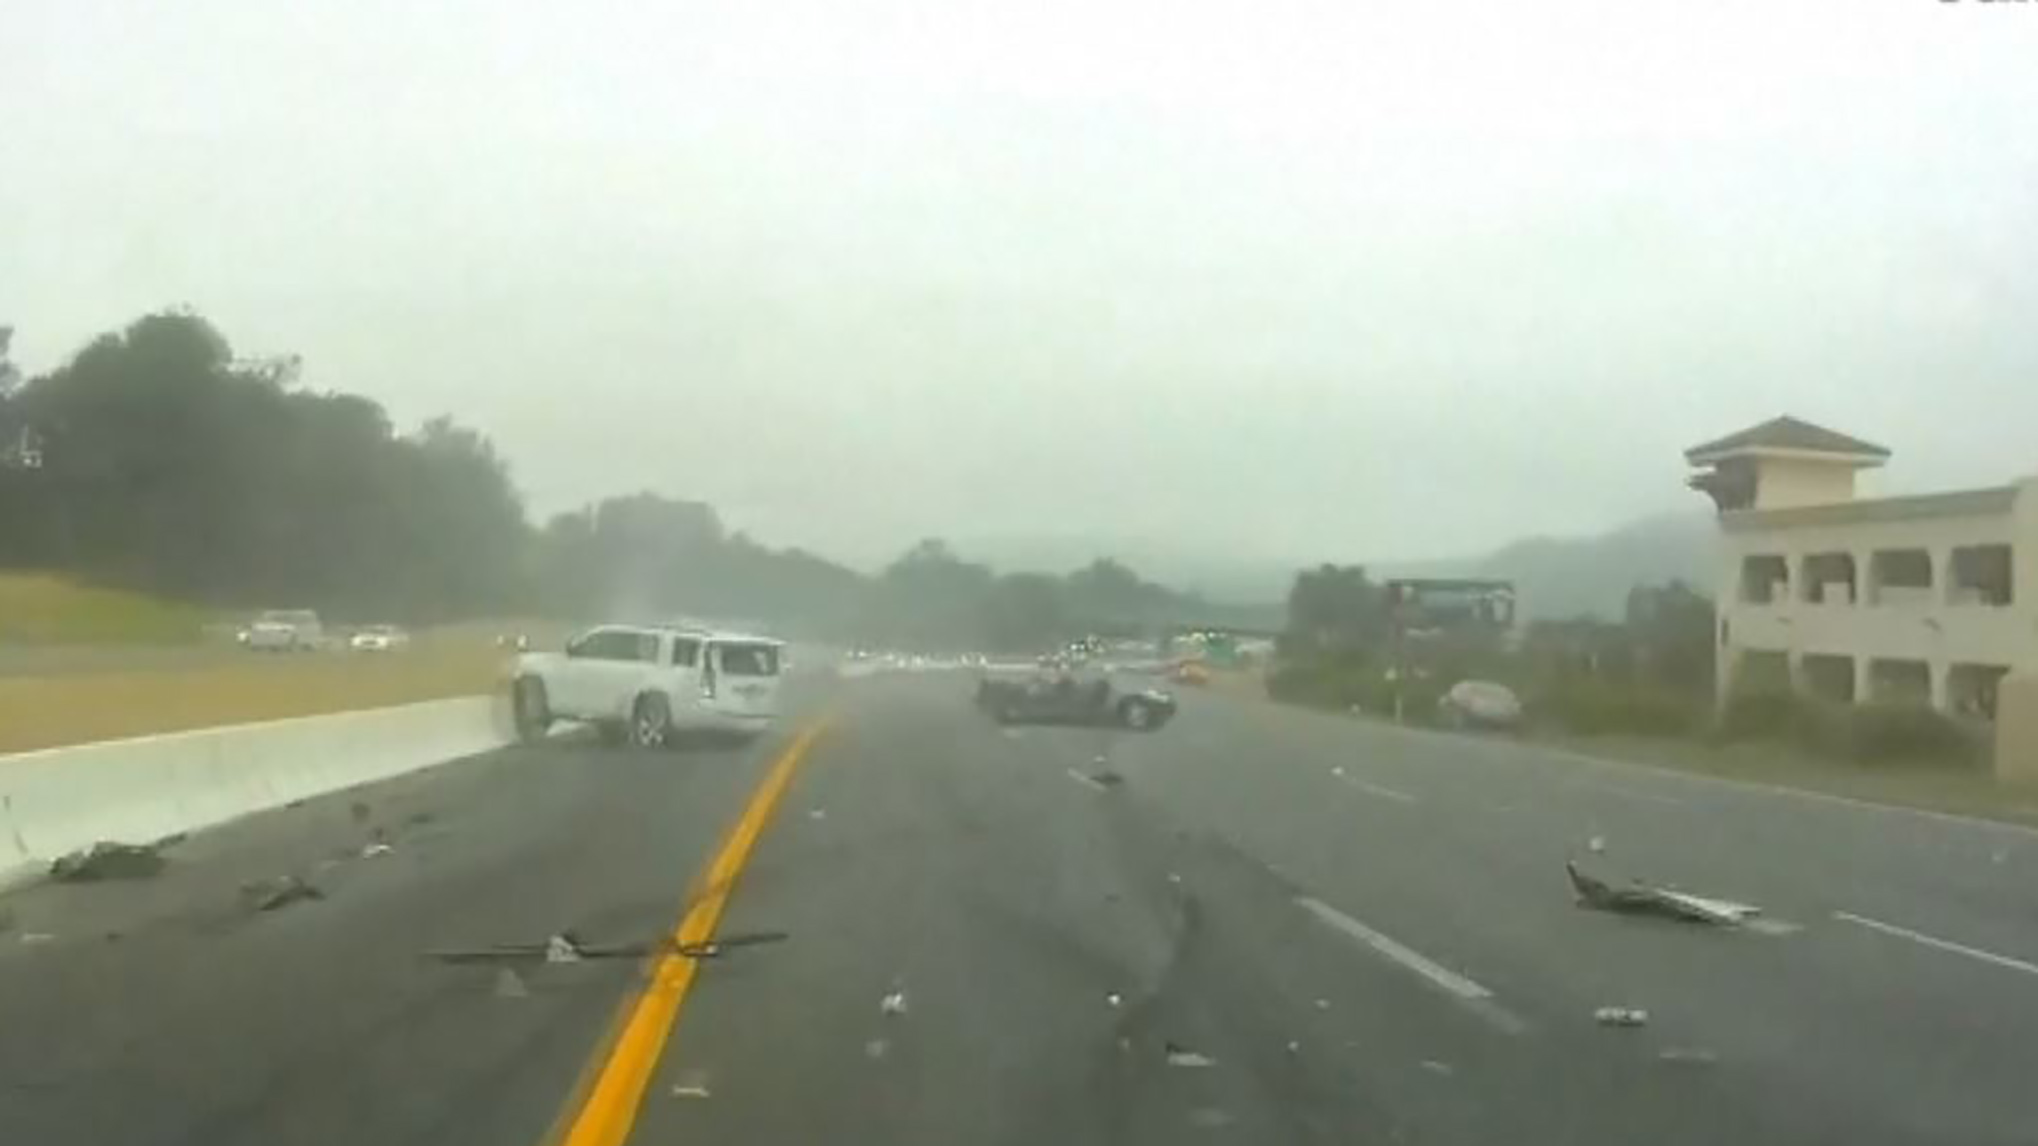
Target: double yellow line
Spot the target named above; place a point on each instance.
(606, 1105)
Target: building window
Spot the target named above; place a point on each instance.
(1900, 577)
(1762, 671)
(1764, 580)
(1828, 677)
(1971, 690)
(1900, 682)
(1979, 575)
(1829, 578)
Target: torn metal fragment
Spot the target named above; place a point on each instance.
(1184, 1057)
(893, 1004)
(106, 860)
(1644, 899)
(1621, 1017)
(376, 850)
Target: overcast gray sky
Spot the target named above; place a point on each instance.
(1341, 278)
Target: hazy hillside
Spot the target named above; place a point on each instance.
(1565, 577)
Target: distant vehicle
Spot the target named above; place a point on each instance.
(1480, 704)
(284, 631)
(1065, 700)
(648, 684)
(378, 639)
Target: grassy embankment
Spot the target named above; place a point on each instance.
(80, 664)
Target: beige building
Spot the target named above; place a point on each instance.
(1932, 598)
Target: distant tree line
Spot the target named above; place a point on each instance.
(155, 459)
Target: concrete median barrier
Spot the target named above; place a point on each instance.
(57, 800)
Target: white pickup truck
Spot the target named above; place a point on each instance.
(647, 684)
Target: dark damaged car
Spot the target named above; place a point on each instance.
(1065, 700)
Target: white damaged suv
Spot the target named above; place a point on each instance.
(647, 684)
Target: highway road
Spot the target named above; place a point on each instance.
(1257, 925)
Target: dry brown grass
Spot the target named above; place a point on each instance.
(48, 710)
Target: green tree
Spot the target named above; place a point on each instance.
(1335, 608)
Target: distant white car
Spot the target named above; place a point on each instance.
(1480, 704)
(378, 639)
(284, 631)
(648, 683)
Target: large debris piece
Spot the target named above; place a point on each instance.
(282, 891)
(108, 860)
(566, 947)
(1638, 898)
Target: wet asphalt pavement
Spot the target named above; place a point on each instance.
(1256, 925)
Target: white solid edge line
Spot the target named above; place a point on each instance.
(1704, 780)
(1936, 942)
(1089, 781)
(1414, 960)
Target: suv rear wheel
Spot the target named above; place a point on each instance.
(650, 721)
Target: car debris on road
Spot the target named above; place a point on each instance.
(281, 891)
(1621, 1017)
(1186, 1058)
(108, 860)
(567, 947)
(892, 1004)
(1640, 898)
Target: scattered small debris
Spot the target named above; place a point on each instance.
(1440, 1068)
(1114, 999)
(1621, 1017)
(1100, 758)
(1596, 845)
(30, 938)
(1174, 877)
(107, 860)
(1294, 1047)
(1337, 770)
(1209, 1118)
(1184, 1057)
(510, 985)
(817, 813)
(1687, 1056)
(282, 891)
(562, 948)
(1644, 899)
(893, 1004)
(1323, 1004)
(694, 1085)
(876, 1048)
(376, 850)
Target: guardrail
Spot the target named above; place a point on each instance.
(57, 800)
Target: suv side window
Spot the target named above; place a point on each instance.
(686, 652)
(613, 645)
